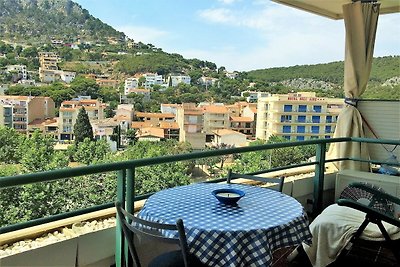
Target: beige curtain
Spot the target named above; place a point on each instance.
(360, 22)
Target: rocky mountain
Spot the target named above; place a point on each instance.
(38, 21)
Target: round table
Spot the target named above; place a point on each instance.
(222, 235)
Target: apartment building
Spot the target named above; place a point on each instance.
(297, 116)
(215, 117)
(48, 70)
(68, 113)
(152, 79)
(18, 111)
(250, 111)
(130, 83)
(48, 127)
(171, 130)
(174, 80)
(244, 125)
(48, 60)
(107, 129)
(169, 108)
(253, 96)
(190, 121)
(21, 70)
(154, 118)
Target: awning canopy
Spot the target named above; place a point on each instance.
(333, 8)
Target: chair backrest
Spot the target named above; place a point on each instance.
(278, 180)
(381, 204)
(132, 225)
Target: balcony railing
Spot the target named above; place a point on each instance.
(126, 177)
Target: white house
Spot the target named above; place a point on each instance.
(229, 137)
(67, 76)
(152, 79)
(174, 80)
(207, 81)
(130, 83)
(231, 75)
(20, 69)
(253, 96)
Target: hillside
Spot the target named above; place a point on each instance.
(37, 21)
(383, 68)
(106, 52)
(327, 78)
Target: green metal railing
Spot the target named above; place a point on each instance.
(126, 177)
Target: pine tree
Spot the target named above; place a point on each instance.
(82, 128)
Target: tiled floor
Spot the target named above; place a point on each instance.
(364, 254)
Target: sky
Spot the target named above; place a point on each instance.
(240, 35)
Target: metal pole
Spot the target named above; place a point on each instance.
(119, 244)
(319, 179)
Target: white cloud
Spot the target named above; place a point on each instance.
(285, 37)
(227, 2)
(143, 34)
(218, 15)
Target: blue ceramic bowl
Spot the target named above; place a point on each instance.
(228, 196)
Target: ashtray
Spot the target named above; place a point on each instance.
(228, 196)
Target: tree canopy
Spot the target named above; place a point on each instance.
(82, 128)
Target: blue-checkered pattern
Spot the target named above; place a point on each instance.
(221, 235)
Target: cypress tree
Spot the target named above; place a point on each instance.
(82, 128)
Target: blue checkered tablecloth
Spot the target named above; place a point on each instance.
(222, 235)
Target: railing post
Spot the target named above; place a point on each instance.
(119, 244)
(130, 190)
(319, 178)
(129, 204)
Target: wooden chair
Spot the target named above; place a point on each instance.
(139, 229)
(279, 181)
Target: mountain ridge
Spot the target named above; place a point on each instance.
(39, 20)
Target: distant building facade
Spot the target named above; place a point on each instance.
(18, 111)
(174, 80)
(68, 113)
(297, 116)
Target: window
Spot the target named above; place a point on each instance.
(286, 118)
(302, 108)
(301, 118)
(317, 108)
(300, 138)
(301, 129)
(328, 119)
(327, 136)
(287, 137)
(287, 129)
(287, 108)
(315, 129)
(315, 119)
(328, 129)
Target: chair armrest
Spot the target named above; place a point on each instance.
(377, 194)
(369, 210)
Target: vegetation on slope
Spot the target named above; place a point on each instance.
(37, 20)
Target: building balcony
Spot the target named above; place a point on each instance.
(309, 182)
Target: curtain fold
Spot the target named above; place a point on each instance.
(361, 21)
